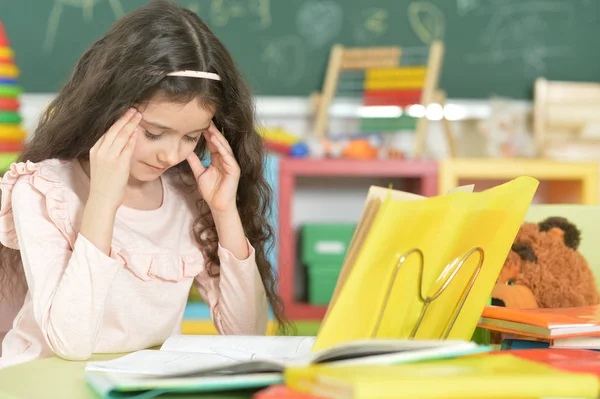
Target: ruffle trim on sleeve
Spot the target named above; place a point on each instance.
(45, 183)
(162, 266)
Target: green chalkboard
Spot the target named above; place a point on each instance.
(493, 47)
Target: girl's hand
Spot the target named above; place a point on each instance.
(110, 160)
(218, 182)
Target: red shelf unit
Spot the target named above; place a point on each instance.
(423, 173)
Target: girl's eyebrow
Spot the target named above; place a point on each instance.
(163, 127)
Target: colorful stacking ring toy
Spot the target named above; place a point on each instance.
(6, 53)
(10, 91)
(11, 146)
(7, 158)
(9, 71)
(9, 104)
(11, 133)
(10, 118)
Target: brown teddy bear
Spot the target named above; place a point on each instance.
(544, 269)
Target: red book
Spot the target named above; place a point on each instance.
(282, 392)
(575, 360)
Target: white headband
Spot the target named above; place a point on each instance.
(196, 74)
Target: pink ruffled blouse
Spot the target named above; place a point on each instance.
(81, 301)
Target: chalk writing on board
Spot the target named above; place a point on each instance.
(87, 7)
(427, 21)
(466, 6)
(319, 22)
(370, 24)
(521, 32)
(223, 11)
(285, 59)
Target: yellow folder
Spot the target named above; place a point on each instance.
(425, 268)
(481, 376)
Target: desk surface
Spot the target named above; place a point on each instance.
(58, 378)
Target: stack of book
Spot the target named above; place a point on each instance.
(576, 328)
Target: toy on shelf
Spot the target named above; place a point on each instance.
(396, 92)
(506, 131)
(352, 147)
(566, 121)
(12, 135)
(281, 141)
(355, 146)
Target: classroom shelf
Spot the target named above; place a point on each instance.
(560, 181)
(197, 321)
(423, 174)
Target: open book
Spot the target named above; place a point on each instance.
(205, 362)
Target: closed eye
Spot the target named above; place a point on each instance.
(192, 139)
(152, 136)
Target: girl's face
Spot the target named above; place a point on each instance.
(167, 135)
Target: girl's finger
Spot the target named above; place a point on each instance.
(118, 125)
(226, 156)
(210, 144)
(98, 143)
(197, 168)
(125, 134)
(216, 133)
(130, 145)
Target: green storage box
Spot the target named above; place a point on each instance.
(323, 249)
(322, 279)
(325, 243)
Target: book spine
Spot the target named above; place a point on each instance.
(509, 344)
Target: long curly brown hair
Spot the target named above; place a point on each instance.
(127, 67)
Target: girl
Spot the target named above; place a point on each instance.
(109, 216)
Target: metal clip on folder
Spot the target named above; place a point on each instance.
(428, 300)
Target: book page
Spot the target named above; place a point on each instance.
(243, 348)
(160, 363)
(464, 189)
(124, 384)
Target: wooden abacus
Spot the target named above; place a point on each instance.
(385, 76)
